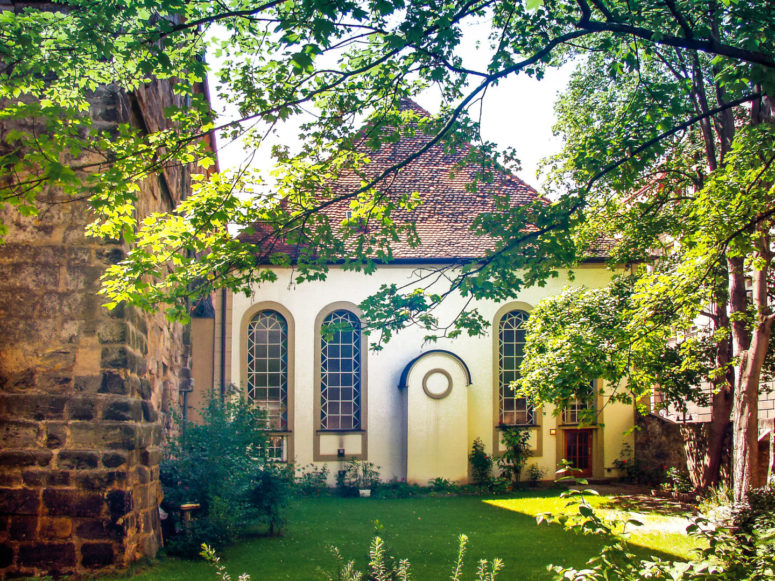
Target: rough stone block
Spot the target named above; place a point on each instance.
(111, 255)
(113, 459)
(145, 389)
(35, 478)
(87, 384)
(112, 331)
(6, 555)
(56, 305)
(54, 382)
(142, 474)
(56, 528)
(56, 435)
(19, 502)
(25, 457)
(77, 459)
(17, 380)
(99, 529)
(123, 411)
(82, 408)
(50, 556)
(97, 554)
(10, 478)
(149, 412)
(150, 457)
(113, 382)
(115, 436)
(73, 503)
(96, 480)
(37, 407)
(24, 528)
(58, 478)
(115, 357)
(18, 434)
(120, 503)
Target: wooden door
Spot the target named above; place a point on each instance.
(578, 450)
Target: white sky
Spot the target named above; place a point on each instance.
(517, 113)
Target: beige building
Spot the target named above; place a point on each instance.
(412, 408)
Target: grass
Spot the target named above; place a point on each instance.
(423, 530)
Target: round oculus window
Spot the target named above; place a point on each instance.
(437, 383)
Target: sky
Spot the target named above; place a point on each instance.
(517, 113)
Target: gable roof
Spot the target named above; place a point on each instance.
(444, 218)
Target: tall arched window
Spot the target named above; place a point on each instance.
(340, 372)
(513, 410)
(267, 373)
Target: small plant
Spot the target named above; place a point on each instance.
(626, 464)
(517, 443)
(360, 474)
(385, 567)
(440, 484)
(535, 474)
(676, 481)
(209, 555)
(481, 464)
(311, 480)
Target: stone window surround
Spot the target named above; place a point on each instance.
(363, 432)
(247, 316)
(538, 427)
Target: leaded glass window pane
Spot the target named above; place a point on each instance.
(268, 367)
(340, 372)
(580, 409)
(514, 411)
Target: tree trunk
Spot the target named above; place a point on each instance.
(721, 403)
(752, 350)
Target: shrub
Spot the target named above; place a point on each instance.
(359, 474)
(534, 474)
(730, 554)
(311, 480)
(397, 489)
(440, 484)
(220, 464)
(517, 443)
(481, 464)
(676, 481)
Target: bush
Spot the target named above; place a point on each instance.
(311, 480)
(676, 481)
(517, 443)
(357, 475)
(731, 554)
(397, 489)
(481, 464)
(440, 484)
(220, 465)
(534, 474)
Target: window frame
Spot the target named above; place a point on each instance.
(347, 435)
(248, 315)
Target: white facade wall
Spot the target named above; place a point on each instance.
(387, 436)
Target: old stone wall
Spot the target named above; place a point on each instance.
(661, 444)
(84, 392)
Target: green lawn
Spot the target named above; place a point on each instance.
(424, 530)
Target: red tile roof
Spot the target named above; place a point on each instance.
(443, 221)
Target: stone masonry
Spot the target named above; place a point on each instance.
(84, 392)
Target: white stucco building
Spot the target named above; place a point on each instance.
(413, 408)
